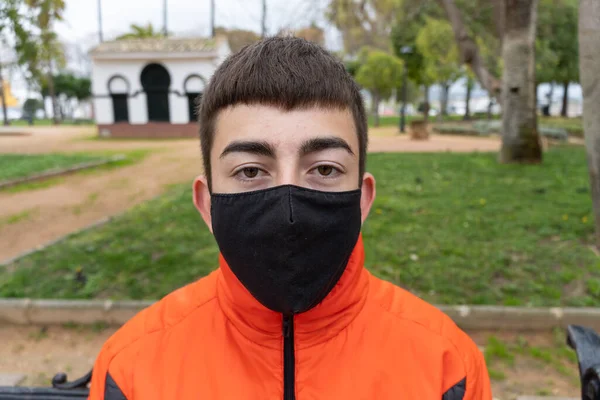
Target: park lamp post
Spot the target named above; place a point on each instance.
(406, 50)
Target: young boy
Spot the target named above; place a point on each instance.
(291, 312)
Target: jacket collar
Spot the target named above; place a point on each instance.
(264, 327)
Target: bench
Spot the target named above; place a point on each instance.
(61, 390)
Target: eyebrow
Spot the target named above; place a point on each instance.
(324, 143)
(259, 148)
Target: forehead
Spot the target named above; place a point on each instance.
(283, 129)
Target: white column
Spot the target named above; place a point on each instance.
(138, 109)
(103, 110)
(179, 109)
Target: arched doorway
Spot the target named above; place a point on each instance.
(156, 82)
(194, 86)
(118, 87)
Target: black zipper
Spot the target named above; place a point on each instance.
(289, 359)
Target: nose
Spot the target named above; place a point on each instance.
(288, 173)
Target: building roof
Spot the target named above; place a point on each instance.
(162, 45)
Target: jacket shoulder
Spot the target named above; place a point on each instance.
(109, 379)
(169, 311)
(412, 309)
(462, 359)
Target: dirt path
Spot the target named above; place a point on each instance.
(40, 216)
(40, 353)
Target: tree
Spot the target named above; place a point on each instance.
(407, 24)
(142, 32)
(470, 84)
(7, 9)
(31, 107)
(380, 74)
(515, 24)
(520, 137)
(312, 33)
(11, 24)
(468, 45)
(69, 87)
(441, 64)
(50, 50)
(238, 38)
(546, 61)
(364, 22)
(589, 65)
(556, 45)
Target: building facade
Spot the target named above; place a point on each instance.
(151, 87)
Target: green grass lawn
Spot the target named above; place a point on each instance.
(14, 166)
(572, 125)
(453, 228)
(395, 120)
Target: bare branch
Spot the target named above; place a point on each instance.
(469, 50)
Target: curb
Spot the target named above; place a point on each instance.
(58, 312)
(469, 318)
(521, 318)
(60, 172)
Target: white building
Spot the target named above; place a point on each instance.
(150, 87)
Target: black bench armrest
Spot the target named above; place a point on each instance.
(586, 344)
(61, 390)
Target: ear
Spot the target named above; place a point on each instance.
(202, 200)
(367, 196)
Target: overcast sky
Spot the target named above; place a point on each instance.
(186, 16)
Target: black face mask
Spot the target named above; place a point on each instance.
(287, 245)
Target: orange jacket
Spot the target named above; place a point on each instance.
(367, 340)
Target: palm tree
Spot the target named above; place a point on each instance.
(142, 32)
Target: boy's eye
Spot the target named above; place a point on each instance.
(325, 170)
(250, 172)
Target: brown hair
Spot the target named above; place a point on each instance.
(285, 72)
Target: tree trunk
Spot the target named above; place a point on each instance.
(375, 108)
(3, 99)
(426, 108)
(550, 96)
(469, 51)
(467, 115)
(589, 65)
(44, 98)
(565, 101)
(520, 138)
(445, 95)
(55, 106)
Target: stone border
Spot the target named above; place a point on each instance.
(470, 318)
(57, 312)
(521, 318)
(60, 172)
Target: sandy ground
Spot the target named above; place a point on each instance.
(80, 200)
(39, 353)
